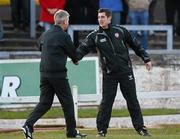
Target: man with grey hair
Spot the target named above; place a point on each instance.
(55, 45)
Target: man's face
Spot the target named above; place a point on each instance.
(103, 20)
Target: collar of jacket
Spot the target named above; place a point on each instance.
(109, 27)
(57, 27)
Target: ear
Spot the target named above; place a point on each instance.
(64, 22)
(109, 19)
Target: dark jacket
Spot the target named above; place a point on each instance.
(55, 45)
(112, 45)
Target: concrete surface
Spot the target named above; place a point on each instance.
(123, 122)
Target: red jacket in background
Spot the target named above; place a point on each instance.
(45, 16)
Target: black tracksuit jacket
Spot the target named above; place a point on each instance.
(112, 45)
(56, 45)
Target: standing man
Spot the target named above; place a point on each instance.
(20, 12)
(112, 43)
(55, 45)
(139, 15)
(172, 10)
(116, 6)
(48, 9)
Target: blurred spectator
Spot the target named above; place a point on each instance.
(76, 9)
(124, 14)
(151, 11)
(151, 14)
(139, 15)
(48, 9)
(82, 11)
(1, 30)
(172, 7)
(92, 11)
(116, 6)
(20, 12)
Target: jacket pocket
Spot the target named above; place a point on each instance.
(105, 66)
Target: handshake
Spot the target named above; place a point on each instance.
(75, 62)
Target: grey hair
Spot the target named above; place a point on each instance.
(60, 16)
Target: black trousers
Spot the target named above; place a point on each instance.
(20, 12)
(127, 86)
(172, 7)
(49, 87)
(151, 11)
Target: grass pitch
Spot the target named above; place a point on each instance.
(165, 132)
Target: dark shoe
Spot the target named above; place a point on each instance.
(143, 131)
(27, 132)
(101, 134)
(77, 135)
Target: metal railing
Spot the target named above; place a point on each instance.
(166, 28)
(32, 19)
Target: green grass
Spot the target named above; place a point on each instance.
(169, 132)
(84, 113)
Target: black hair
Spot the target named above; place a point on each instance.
(106, 11)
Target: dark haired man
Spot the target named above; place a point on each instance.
(112, 43)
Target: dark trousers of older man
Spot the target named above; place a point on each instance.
(49, 87)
